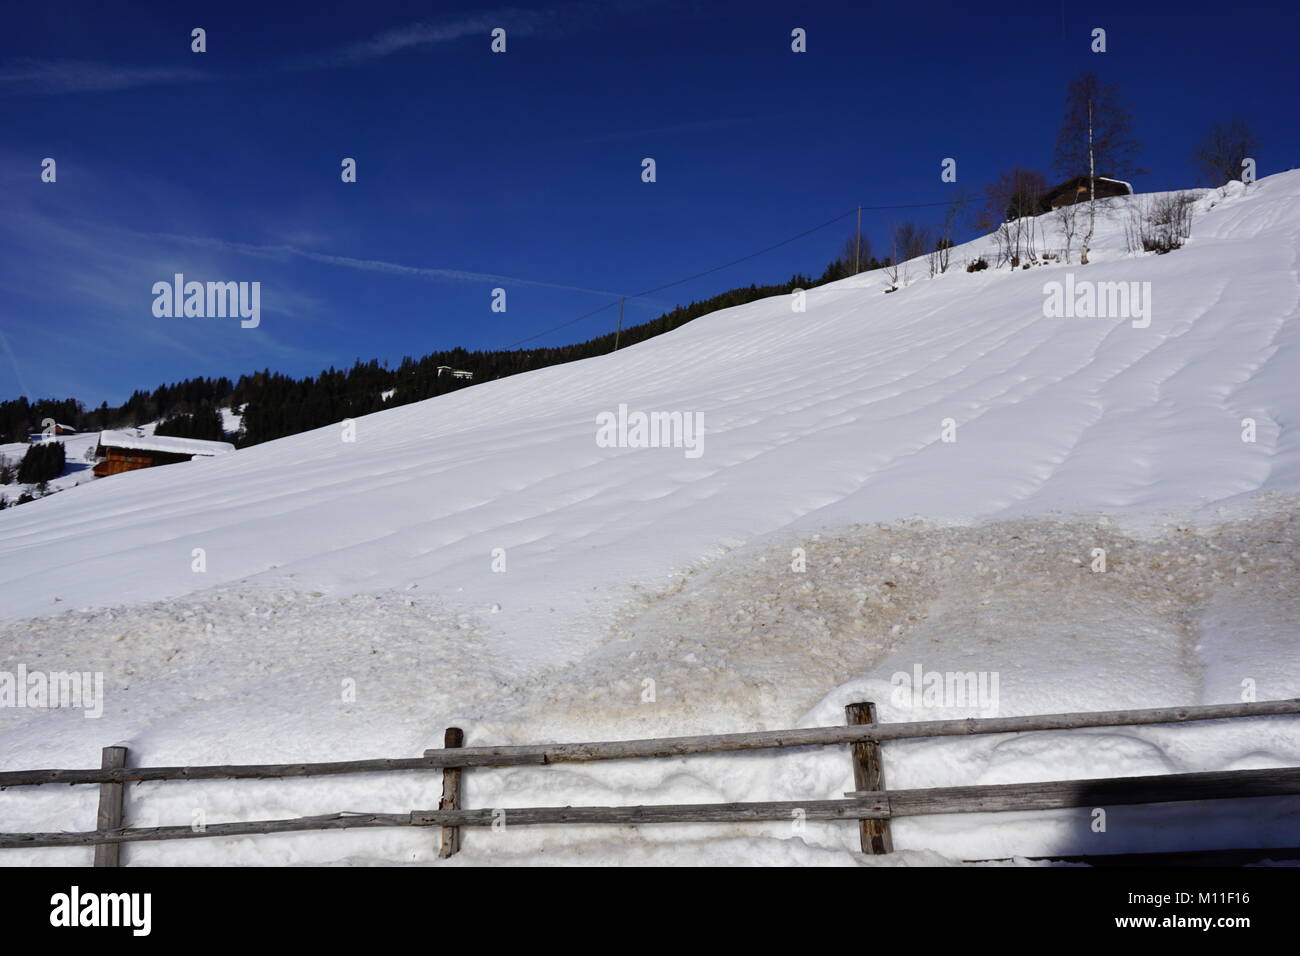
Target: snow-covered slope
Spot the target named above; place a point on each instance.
(481, 558)
(80, 452)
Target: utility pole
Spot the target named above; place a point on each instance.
(857, 249)
(621, 300)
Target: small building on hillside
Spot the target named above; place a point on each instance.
(120, 451)
(453, 372)
(1076, 190)
(38, 437)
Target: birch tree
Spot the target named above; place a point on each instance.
(1096, 138)
(1219, 155)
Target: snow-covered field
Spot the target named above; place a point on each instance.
(80, 451)
(481, 560)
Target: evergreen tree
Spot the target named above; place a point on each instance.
(204, 423)
(42, 462)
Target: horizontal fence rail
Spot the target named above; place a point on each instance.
(824, 736)
(540, 754)
(33, 778)
(878, 805)
(872, 805)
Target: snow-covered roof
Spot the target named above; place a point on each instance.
(1111, 179)
(165, 443)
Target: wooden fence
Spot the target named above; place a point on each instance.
(870, 803)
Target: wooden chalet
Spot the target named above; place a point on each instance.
(38, 437)
(119, 451)
(1076, 190)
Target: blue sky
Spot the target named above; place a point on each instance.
(523, 170)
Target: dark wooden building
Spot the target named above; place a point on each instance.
(35, 437)
(120, 451)
(1076, 190)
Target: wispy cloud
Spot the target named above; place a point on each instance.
(35, 76)
(430, 33)
(80, 76)
(76, 295)
(371, 265)
(517, 22)
(51, 76)
(13, 361)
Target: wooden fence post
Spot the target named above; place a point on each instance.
(452, 739)
(869, 774)
(110, 807)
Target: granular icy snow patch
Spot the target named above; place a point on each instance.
(1180, 615)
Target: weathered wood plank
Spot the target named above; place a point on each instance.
(822, 736)
(536, 754)
(781, 810)
(1018, 796)
(1110, 791)
(328, 821)
(869, 775)
(30, 778)
(111, 799)
(846, 809)
(452, 739)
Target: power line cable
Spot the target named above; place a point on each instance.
(734, 262)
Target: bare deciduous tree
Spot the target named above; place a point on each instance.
(938, 256)
(1010, 205)
(892, 268)
(855, 256)
(1067, 218)
(1013, 194)
(1160, 223)
(1218, 156)
(913, 241)
(942, 248)
(1096, 135)
(1002, 240)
